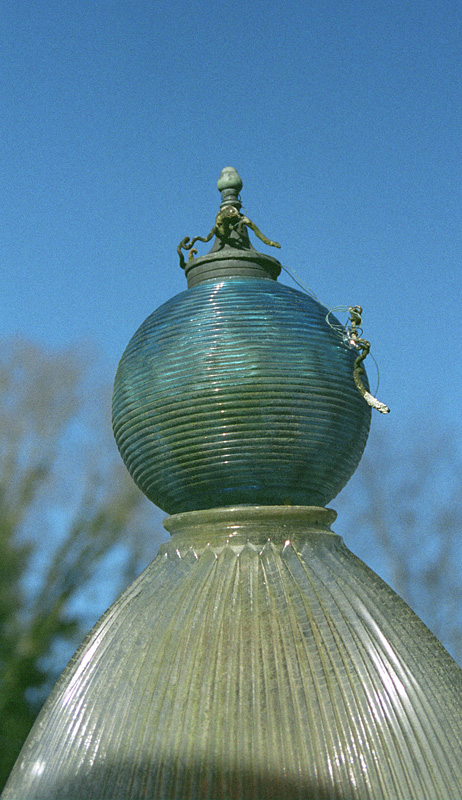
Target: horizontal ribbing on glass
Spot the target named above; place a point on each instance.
(239, 392)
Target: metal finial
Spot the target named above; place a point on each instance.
(230, 224)
(229, 184)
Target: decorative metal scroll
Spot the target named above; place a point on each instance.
(228, 221)
(354, 331)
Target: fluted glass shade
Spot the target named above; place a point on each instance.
(256, 658)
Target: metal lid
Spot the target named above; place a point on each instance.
(232, 254)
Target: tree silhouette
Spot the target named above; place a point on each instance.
(402, 514)
(69, 514)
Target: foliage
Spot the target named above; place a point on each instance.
(68, 513)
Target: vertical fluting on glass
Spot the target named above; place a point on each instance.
(255, 658)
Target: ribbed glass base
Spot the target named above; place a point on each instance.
(255, 658)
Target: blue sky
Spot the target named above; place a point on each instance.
(343, 119)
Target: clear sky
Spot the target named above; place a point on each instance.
(343, 119)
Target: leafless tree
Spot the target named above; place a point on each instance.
(402, 514)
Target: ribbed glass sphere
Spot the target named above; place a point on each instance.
(239, 392)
